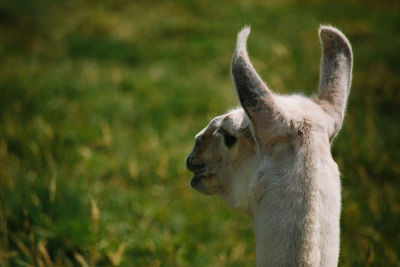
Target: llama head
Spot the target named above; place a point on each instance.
(264, 137)
(223, 158)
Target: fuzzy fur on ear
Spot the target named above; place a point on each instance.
(335, 75)
(250, 87)
(255, 97)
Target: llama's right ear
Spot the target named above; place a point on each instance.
(255, 97)
(335, 75)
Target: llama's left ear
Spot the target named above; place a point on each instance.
(255, 97)
(335, 75)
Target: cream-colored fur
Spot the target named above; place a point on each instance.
(271, 158)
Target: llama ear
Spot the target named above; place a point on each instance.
(255, 97)
(335, 75)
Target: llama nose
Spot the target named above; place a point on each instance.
(192, 166)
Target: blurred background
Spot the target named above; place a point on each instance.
(100, 101)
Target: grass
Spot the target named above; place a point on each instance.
(100, 100)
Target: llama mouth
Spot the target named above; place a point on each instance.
(197, 178)
(201, 175)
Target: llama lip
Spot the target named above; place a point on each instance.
(196, 180)
(198, 176)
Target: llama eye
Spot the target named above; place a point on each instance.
(229, 140)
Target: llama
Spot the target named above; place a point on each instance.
(271, 158)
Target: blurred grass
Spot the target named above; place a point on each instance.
(100, 100)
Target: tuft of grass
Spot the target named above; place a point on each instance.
(100, 100)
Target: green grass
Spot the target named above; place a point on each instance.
(100, 100)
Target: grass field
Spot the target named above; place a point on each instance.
(100, 101)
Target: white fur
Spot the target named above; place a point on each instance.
(280, 170)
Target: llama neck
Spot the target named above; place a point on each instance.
(291, 217)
